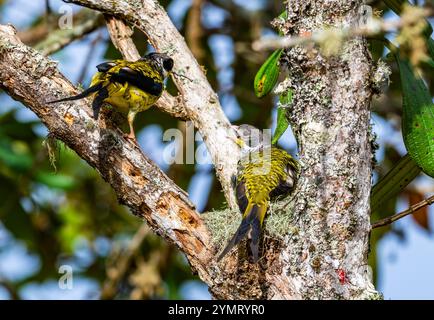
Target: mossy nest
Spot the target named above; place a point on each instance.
(223, 224)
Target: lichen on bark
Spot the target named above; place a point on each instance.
(330, 117)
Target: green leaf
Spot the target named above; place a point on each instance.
(429, 62)
(74, 225)
(282, 16)
(58, 181)
(395, 5)
(394, 181)
(267, 76)
(282, 120)
(417, 117)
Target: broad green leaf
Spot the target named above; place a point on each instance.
(267, 76)
(282, 120)
(394, 181)
(417, 117)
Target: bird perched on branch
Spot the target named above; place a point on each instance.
(129, 87)
(264, 172)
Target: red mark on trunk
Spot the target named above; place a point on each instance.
(342, 276)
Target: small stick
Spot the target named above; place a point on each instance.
(412, 209)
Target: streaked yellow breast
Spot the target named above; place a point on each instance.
(263, 171)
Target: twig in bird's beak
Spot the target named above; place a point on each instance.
(181, 75)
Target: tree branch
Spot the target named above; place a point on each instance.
(194, 30)
(200, 101)
(328, 229)
(116, 272)
(85, 21)
(60, 38)
(395, 217)
(121, 34)
(29, 77)
(32, 79)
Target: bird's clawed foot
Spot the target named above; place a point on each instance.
(131, 137)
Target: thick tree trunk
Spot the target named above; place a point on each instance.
(317, 242)
(324, 255)
(330, 116)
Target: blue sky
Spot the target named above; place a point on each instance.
(405, 268)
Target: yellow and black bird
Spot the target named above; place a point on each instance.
(264, 173)
(129, 87)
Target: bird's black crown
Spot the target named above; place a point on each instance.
(161, 58)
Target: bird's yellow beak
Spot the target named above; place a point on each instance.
(239, 142)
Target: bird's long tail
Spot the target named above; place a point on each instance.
(252, 219)
(84, 94)
(97, 102)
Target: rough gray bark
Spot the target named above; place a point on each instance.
(330, 116)
(324, 253)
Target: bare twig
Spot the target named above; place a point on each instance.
(10, 288)
(110, 285)
(89, 56)
(194, 30)
(37, 33)
(395, 217)
(60, 38)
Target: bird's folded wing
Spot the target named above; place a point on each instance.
(136, 78)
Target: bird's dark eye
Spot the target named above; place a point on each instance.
(168, 64)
